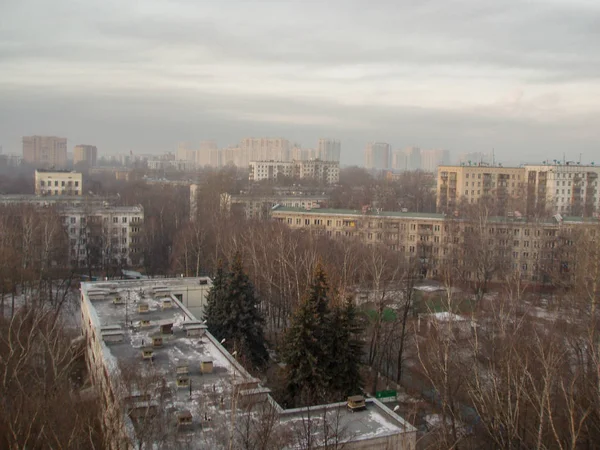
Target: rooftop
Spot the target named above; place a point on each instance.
(57, 171)
(375, 421)
(355, 212)
(179, 351)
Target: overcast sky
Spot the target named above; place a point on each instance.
(520, 77)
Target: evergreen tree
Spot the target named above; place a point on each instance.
(216, 303)
(233, 314)
(345, 348)
(305, 350)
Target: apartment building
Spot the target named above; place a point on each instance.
(327, 172)
(567, 189)
(45, 151)
(101, 236)
(164, 381)
(531, 248)
(431, 159)
(328, 150)
(58, 182)
(471, 183)
(85, 154)
(265, 149)
(377, 155)
(259, 206)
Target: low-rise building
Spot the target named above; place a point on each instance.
(531, 248)
(58, 182)
(257, 206)
(101, 236)
(326, 172)
(165, 381)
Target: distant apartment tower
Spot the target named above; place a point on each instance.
(431, 159)
(203, 155)
(377, 155)
(45, 151)
(471, 183)
(85, 155)
(58, 182)
(265, 149)
(329, 150)
(566, 189)
(413, 158)
(475, 158)
(185, 152)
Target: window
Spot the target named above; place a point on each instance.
(115, 220)
(77, 184)
(62, 184)
(73, 219)
(124, 220)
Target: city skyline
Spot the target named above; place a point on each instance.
(467, 77)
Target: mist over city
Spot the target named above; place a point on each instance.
(299, 225)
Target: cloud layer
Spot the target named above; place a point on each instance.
(523, 78)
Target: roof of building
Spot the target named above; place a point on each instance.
(376, 420)
(177, 349)
(57, 171)
(355, 212)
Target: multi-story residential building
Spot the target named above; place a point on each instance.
(203, 155)
(185, 152)
(58, 182)
(567, 189)
(328, 150)
(10, 160)
(377, 155)
(60, 201)
(165, 381)
(476, 158)
(45, 151)
(102, 236)
(259, 206)
(265, 149)
(85, 154)
(431, 159)
(270, 170)
(413, 158)
(471, 183)
(327, 172)
(530, 248)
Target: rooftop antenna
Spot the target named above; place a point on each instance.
(493, 157)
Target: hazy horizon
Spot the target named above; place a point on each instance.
(519, 78)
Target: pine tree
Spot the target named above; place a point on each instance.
(305, 349)
(233, 314)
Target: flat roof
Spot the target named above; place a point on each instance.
(177, 349)
(375, 421)
(355, 212)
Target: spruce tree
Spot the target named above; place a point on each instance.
(305, 350)
(346, 349)
(233, 314)
(216, 303)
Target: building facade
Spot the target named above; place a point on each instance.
(58, 182)
(377, 155)
(45, 151)
(257, 206)
(531, 249)
(329, 149)
(85, 154)
(431, 159)
(103, 236)
(471, 183)
(326, 172)
(568, 189)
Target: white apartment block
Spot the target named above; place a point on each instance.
(431, 159)
(566, 189)
(323, 171)
(270, 170)
(104, 235)
(58, 182)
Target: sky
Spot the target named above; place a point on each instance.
(519, 77)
